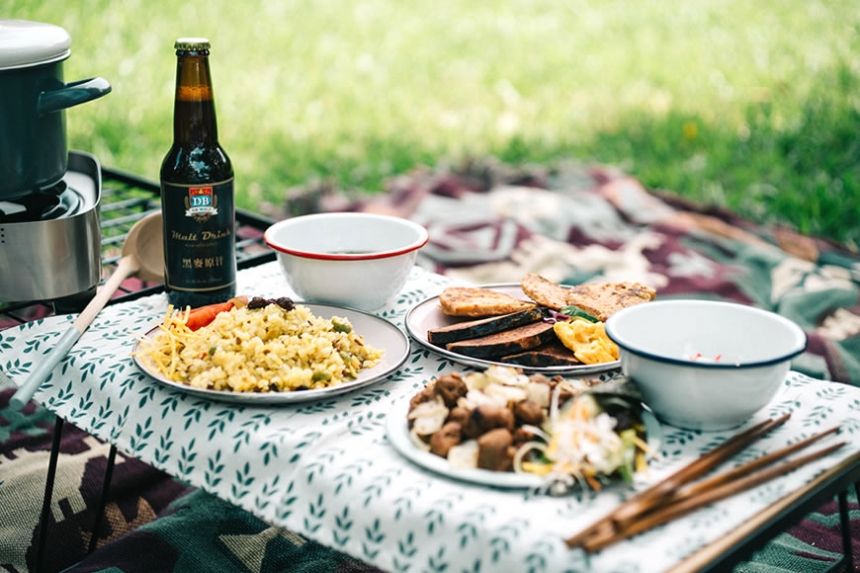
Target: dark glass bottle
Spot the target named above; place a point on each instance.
(197, 190)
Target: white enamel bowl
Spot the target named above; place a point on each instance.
(705, 365)
(358, 260)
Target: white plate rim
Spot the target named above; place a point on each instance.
(421, 339)
(286, 398)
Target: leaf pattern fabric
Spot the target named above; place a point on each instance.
(325, 470)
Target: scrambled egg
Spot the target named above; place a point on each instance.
(587, 340)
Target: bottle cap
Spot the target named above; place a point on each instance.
(191, 44)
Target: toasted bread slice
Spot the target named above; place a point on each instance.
(467, 301)
(544, 292)
(600, 300)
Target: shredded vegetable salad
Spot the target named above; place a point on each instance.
(585, 442)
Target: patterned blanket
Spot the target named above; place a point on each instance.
(488, 223)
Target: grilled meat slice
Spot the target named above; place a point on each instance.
(552, 354)
(506, 342)
(482, 327)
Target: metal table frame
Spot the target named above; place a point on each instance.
(718, 556)
(758, 531)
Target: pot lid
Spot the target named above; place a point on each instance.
(24, 44)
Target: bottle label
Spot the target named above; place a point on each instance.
(199, 246)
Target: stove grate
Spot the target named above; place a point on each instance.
(125, 199)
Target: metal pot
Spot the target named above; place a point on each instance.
(33, 95)
(61, 256)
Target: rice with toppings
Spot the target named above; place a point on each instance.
(266, 349)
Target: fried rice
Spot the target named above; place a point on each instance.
(268, 349)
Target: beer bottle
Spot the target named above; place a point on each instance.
(197, 190)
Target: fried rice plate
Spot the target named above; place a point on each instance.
(266, 349)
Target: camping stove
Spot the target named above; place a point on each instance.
(50, 238)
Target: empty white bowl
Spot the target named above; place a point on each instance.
(705, 365)
(358, 260)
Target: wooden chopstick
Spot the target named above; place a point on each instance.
(747, 468)
(653, 496)
(645, 500)
(662, 515)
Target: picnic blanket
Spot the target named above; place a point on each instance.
(488, 223)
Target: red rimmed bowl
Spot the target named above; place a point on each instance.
(358, 260)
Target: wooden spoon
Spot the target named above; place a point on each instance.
(143, 255)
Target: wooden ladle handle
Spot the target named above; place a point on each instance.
(128, 265)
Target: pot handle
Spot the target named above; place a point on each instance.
(72, 94)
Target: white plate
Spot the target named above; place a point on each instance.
(397, 428)
(427, 315)
(377, 332)
(398, 434)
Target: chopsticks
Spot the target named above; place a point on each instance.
(676, 496)
(642, 501)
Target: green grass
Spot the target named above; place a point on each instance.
(751, 105)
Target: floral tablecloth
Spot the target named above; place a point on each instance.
(326, 470)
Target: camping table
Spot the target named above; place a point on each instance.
(325, 469)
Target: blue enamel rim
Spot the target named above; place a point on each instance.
(708, 365)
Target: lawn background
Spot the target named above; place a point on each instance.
(750, 105)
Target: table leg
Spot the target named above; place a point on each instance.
(100, 508)
(49, 492)
(845, 526)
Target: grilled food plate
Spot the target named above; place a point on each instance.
(427, 315)
(397, 430)
(377, 332)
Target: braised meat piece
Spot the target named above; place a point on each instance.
(425, 395)
(451, 388)
(491, 417)
(528, 412)
(495, 451)
(459, 415)
(445, 439)
(486, 418)
(521, 436)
